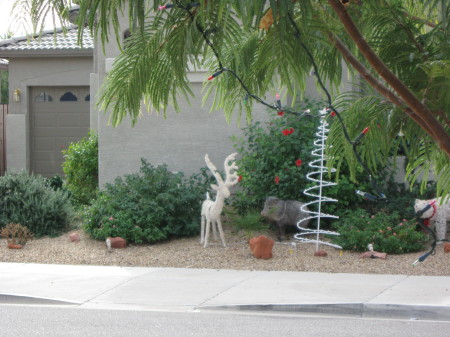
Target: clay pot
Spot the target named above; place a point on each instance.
(14, 246)
(321, 253)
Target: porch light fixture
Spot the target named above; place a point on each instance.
(16, 95)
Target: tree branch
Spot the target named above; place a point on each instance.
(374, 82)
(443, 116)
(433, 127)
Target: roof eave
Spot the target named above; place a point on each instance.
(47, 53)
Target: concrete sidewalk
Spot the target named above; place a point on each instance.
(126, 288)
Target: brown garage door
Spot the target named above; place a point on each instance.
(59, 116)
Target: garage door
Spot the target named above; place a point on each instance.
(59, 116)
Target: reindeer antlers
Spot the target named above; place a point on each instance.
(231, 177)
(213, 169)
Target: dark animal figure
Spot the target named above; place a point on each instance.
(282, 213)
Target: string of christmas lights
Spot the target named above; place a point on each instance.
(331, 110)
(315, 191)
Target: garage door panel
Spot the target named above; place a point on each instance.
(85, 120)
(43, 132)
(65, 141)
(69, 132)
(54, 124)
(45, 155)
(45, 120)
(44, 144)
(45, 167)
(69, 119)
(72, 108)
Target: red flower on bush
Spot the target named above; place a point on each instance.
(298, 162)
(277, 179)
(287, 132)
(240, 178)
(280, 113)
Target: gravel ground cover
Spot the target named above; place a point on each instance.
(188, 253)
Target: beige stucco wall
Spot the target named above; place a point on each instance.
(28, 72)
(180, 141)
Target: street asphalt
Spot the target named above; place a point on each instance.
(177, 289)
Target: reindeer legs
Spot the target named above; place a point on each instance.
(222, 236)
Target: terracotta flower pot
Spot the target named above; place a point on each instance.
(14, 246)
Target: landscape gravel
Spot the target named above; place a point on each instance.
(188, 253)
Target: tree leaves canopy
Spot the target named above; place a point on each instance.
(405, 104)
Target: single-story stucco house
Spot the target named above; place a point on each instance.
(58, 81)
(49, 98)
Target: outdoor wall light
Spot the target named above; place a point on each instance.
(16, 95)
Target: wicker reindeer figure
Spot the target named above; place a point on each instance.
(211, 209)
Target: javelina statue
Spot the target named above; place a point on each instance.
(282, 213)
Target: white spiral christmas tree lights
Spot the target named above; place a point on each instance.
(315, 191)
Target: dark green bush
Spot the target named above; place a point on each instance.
(81, 169)
(147, 207)
(28, 200)
(388, 232)
(55, 182)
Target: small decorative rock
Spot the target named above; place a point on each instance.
(373, 255)
(447, 247)
(117, 242)
(261, 247)
(14, 246)
(321, 253)
(74, 237)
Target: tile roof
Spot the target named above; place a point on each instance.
(48, 42)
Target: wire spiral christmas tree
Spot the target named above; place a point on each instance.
(316, 191)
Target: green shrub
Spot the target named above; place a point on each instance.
(267, 153)
(81, 169)
(55, 182)
(249, 223)
(388, 232)
(28, 200)
(274, 162)
(147, 207)
(202, 181)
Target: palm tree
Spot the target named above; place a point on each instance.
(397, 52)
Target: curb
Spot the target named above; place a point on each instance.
(29, 300)
(363, 310)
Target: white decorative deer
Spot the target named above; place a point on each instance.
(211, 209)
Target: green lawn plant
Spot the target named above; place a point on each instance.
(27, 199)
(388, 232)
(81, 169)
(249, 223)
(146, 207)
